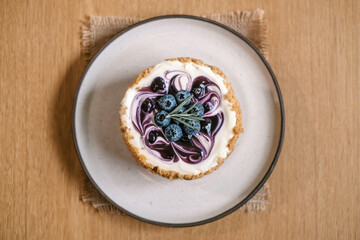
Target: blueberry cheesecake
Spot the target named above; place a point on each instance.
(180, 118)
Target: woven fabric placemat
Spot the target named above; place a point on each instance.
(98, 30)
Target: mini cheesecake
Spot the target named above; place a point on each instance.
(180, 118)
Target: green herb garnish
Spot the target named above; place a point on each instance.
(182, 117)
(181, 105)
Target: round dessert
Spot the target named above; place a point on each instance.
(180, 118)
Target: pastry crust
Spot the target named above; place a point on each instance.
(141, 159)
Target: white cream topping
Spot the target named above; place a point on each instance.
(225, 133)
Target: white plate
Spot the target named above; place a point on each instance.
(107, 160)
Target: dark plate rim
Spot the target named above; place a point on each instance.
(269, 171)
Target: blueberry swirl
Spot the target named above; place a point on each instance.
(190, 134)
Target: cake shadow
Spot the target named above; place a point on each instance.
(103, 104)
(62, 116)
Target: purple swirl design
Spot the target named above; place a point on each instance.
(193, 150)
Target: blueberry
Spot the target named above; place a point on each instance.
(208, 106)
(158, 84)
(199, 86)
(181, 96)
(173, 132)
(152, 136)
(198, 90)
(198, 109)
(147, 105)
(206, 126)
(191, 131)
(161, 120)
(167, 102)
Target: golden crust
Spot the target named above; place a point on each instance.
(141, 159)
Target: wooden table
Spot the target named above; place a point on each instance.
(315, 53)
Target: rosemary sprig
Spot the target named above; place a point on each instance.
(188, 117)
(190, 108)
(181, 105)
(181, 117)
(185, 123)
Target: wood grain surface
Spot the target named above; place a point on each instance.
(315, 53)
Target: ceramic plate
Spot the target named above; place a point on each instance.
(105, 157)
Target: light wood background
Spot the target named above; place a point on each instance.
(315, 53)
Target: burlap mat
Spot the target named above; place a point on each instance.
(97, 30)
